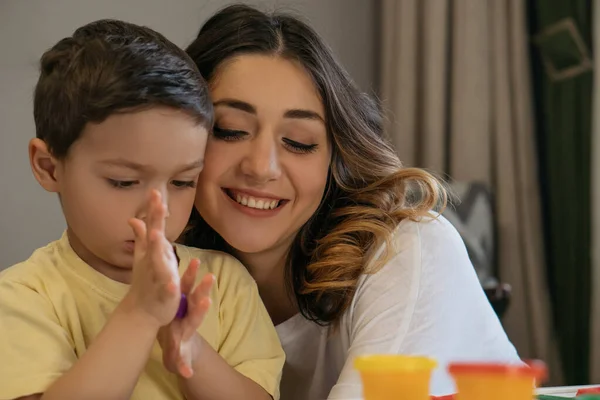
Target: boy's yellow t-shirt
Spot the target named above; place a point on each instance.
(53, 305)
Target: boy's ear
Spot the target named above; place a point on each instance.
(43, 164)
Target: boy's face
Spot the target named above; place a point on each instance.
(107, 176)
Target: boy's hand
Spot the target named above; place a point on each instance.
(179, 340)
(155, 285)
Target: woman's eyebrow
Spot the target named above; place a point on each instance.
(250, 109)
(237, 104)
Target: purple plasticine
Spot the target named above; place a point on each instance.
(183, 305)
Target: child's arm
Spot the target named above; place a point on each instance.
(103, 371)
(249, 360)
(214, 379)
(187, 354)
(111, 366)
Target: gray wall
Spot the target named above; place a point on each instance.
(30, 217)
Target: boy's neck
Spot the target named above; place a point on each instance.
(113, 272)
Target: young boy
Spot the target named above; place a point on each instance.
(122, 117)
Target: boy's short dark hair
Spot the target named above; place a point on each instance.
(107, 67)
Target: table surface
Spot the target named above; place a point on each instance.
(565, 391)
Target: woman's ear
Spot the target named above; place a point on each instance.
(43, 165)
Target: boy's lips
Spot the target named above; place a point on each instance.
(129, 246)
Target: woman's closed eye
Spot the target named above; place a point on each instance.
(298, 147)
(121, 184)
(228, 134)
(292, 145)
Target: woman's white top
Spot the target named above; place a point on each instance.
(426, 300)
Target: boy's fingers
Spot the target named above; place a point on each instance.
(205, 286)
(176, 353)
(185, 359)
(157, 213)
(170, 347)
(160, 262)
(139, 231)
(162, 251)
(185, 370)
(196, 312)
(189, 277)
(150, 212)
(138, 227)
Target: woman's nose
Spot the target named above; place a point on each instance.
(261, 163)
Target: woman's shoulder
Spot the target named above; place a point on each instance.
(425, 240)
(427, 299)
(427, 273)
(432, 229)
(423, 256)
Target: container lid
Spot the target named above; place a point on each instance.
(394, 362)
(534, 369)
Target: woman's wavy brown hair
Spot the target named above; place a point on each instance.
(368, 191)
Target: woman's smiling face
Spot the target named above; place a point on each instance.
(266, 165)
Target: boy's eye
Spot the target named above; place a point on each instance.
(121, 184)
(184, 184)
(228, 134)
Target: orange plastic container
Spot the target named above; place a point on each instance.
(476, 381)
(387, 377)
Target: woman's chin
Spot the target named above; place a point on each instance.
(243, 245)
(252, 243)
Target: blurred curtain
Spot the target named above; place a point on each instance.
(595, 165)
(563, 80)
(456, 86)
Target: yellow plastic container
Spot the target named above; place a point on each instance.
(476, 381)
(386, 377)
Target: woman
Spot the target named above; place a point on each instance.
(300, 184)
